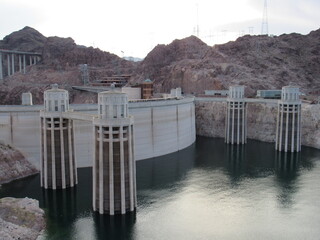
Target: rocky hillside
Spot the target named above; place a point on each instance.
(13, 165)
(61, 58)
(61, 53)
(259, 62)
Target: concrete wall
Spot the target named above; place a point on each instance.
(261, 120)
(160, 127)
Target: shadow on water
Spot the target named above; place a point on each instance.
(160, 178)
(165, 171)
(254, 159)
(114, 227)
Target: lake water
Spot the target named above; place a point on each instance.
(208, 191)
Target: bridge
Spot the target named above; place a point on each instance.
(16, 61)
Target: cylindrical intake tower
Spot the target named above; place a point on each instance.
(236, 122)
(114, 168)
(288, 135)
(58, 165)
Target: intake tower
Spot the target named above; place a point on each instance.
(114, 169)
(288, 135)
(58, 165)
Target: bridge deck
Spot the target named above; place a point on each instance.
(20, 52)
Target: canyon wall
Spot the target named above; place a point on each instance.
(261, 121)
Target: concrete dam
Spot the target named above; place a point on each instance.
(161, 127)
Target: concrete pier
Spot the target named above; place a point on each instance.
(114, 169)
(58, 166)
(12, 64)
(288, 133)
(24, 63)
(20, 64)
(236, 129)
(9, 68)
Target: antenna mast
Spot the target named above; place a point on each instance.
(264, 25)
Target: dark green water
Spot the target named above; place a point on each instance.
(207, 191)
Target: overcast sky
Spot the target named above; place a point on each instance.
(134, 27)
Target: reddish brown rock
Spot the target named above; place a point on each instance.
(258, 62)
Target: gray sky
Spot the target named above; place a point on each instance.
(134, 27)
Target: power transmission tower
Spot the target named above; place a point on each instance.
(84, 73)
(264, 25)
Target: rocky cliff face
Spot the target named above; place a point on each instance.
(311, 125)
(20, 219)
(13, 165)
(210, 118)
(261, 121)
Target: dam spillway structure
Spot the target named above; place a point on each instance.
(114, 169)
(58, 166)
(288, 133)
(236, 122)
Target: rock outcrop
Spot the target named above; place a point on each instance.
(20, 219)
(13, 165)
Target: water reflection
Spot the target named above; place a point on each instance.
(287, 168)
(114, 227)
(287, 164)
(61, 210)
(236, 156)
